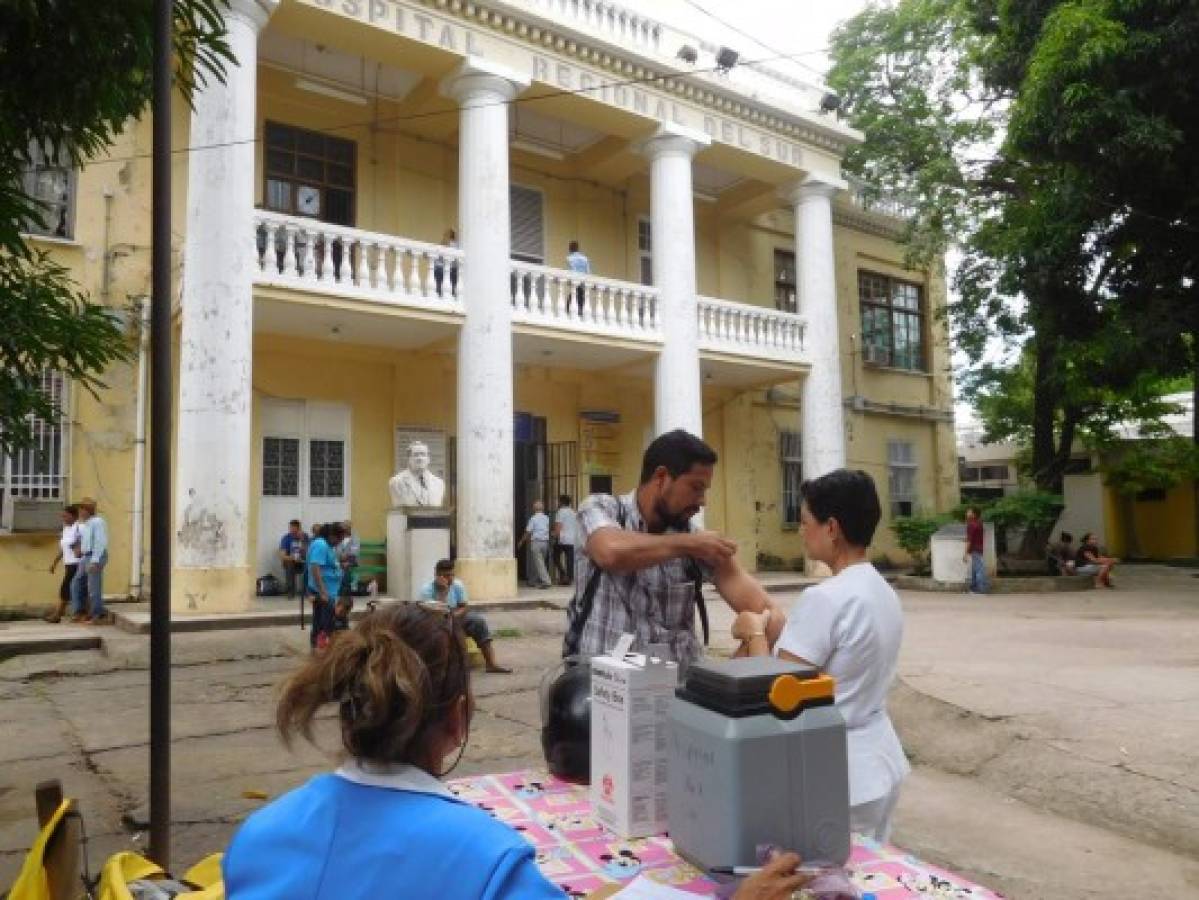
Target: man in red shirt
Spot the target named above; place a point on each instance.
(976, 574)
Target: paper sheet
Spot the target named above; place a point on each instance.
(643, 888)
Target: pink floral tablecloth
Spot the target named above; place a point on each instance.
(577, 854)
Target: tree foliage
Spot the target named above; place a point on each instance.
(72, 75)
(914, 535)
(1155, 464)
(1055, 142)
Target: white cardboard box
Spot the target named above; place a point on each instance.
(630, 700)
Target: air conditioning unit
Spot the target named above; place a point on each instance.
(35, 515)
(876, 355)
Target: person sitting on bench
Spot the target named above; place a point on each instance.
(448, 590)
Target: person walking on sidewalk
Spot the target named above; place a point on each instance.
(976, 574)
(68, 545)
(566, 530)
(87, 588)
(537, 536)
(324, 582)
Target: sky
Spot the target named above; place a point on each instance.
(787, 26)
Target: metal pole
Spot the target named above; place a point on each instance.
(160, 448)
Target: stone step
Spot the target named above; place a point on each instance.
(27, 638)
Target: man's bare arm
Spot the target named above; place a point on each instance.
(743, 592)
(616, 550)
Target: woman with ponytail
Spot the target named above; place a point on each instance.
(383, 825)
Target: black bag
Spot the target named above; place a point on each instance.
(268, 586)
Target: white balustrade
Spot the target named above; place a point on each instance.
(560, 298)
(747, 330)
(305, 253)
(871, 199)
(617, 23)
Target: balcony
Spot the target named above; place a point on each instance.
(612, 319)
(740, 329)
(362, 265)
(871, 199)
(568, 301)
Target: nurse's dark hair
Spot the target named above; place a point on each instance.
(849, 496)
(394, 677)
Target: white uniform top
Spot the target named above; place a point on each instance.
(70, 537)
(851, 626)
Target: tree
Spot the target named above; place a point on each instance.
(940, 89)
(72, 75)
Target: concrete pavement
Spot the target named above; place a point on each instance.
(1053, 736)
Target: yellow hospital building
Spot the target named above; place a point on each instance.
(372, 219)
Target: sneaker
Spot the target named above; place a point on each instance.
(79, 618)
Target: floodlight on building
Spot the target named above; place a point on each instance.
(830, 103)
(726, 58)
(688, 54)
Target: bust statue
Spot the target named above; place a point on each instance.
(416, 485)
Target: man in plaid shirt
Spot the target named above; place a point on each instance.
(650, 557)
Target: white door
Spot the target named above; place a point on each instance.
(305, 471)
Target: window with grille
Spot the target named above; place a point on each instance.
(37, 471)
(280, 467)
(892, 321)
(645, 251)
(526, 210)
(791, 466)
(310, 174)
(993, 473)
(786, 292)
(52, 185)
(326, 468)
(901, 477)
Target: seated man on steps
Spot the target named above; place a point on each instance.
(448, 590)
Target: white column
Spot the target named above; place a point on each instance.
(485, 511)
(822, 415)
(212, 474)
(678, 401)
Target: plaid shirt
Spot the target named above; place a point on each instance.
(656, 604)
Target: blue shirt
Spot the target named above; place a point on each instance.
(293, 545)
(322, 555)
(578, 262)
(454, 597)
(356, 835)
(93, 538)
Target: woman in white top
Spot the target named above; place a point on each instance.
(68, 547)
(850, 626)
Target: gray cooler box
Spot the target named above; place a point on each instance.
(757, 755)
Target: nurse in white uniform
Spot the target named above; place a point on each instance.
(850, 626)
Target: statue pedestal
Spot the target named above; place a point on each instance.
(416, 540)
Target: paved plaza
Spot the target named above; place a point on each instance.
(1053, 736)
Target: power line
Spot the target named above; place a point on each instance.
(745, 34)
(391, 120)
